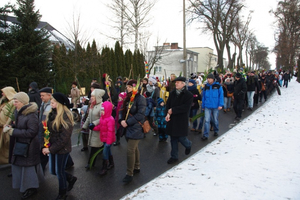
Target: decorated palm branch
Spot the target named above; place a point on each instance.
(9, 110)
(197, 116)
(134, 92)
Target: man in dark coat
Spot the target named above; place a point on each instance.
(178, 107)
(286, 78)
(34, 95)
(240, 89)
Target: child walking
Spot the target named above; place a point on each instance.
(84, 132)
(160, 115)
(122, 96)
(106, 127)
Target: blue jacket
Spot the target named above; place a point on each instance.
(160, 115)
(212, 96)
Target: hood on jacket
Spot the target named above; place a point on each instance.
(34, 86)
(9, 92)
(29, 108)
(107, 109)
(98, 95)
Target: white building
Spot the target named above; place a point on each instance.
(168, 59)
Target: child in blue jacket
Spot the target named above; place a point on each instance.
(160, 115)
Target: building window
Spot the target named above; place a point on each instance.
(157, 69)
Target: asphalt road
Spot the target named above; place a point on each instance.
(91, 186)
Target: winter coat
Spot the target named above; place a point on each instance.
(286, 77)
(150, 107)
(75, 96)
(181, 105)
(34, 94)
(4, 119)
(228, 87)
(106, 124)
(136, 114)
(26, 129)
(160, 115)
(60, 140)
(93, 117)
(212, 96)
(196, 96)
(252, 84)
(240, 89)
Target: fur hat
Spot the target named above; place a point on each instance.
(131, 82)
(159, 101)
(210, 76)
(153, 80)
(62, 99)
(22, 97)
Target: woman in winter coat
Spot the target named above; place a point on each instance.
(60, 125)
(134, 132)
(106, 127)
(91, 121)
(26, 170)
(6, 103)
(195, 105)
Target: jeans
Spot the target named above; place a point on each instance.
(227, 102)
(133, 156)
(250, 95)
(285, 83)
(174, 144)
(57, 164)
(106, 151)
(214, 114)
(193, 112)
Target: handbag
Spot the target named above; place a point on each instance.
(21, 149)
(146, 126)
(229, 94)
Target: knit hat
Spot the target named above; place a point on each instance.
(153, 80)
(22, 97)
(47, 90)
(62, 99)
(192, 81)
(131, 82)
(159, 100)
(122, 95)
(238, 75)
(210, 76)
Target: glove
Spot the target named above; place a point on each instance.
(8, 130)
(91, 126)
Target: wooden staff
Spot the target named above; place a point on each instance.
(18, 84)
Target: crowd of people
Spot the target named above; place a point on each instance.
(36, 127)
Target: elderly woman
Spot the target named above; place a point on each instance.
(134, 132)
(91, 121)
(60, 125)
(26, 169)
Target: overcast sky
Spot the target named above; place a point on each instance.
(166, 21)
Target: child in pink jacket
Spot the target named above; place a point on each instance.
(106, 127)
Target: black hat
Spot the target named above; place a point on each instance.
(131, 82)
(238, 75)
(210, 76)
(62, 99)
(180, 78)
(47, 90)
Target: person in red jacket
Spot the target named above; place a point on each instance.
(106, 127)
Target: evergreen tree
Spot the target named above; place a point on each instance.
(128, 63)
(33, 47)
(120, 61)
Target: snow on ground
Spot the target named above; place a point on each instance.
(256, 159)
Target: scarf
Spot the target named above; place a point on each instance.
(178, 92)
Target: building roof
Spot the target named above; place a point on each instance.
(56, 37)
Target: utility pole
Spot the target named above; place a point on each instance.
(184, 42)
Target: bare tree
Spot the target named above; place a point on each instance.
(219, 17)
(240, 36)
(251, 44)
(137, 14)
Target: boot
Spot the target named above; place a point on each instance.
(62, 195)
(104, 167)
(111, 162)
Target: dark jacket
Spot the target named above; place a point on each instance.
(34, 94)
(160, 115)
(286, 77)
(252, 84)
(136, 114)
(26, 130)
(240, 89)
(60, 140)
(196, 96)
(228, 87)
(181, 105)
